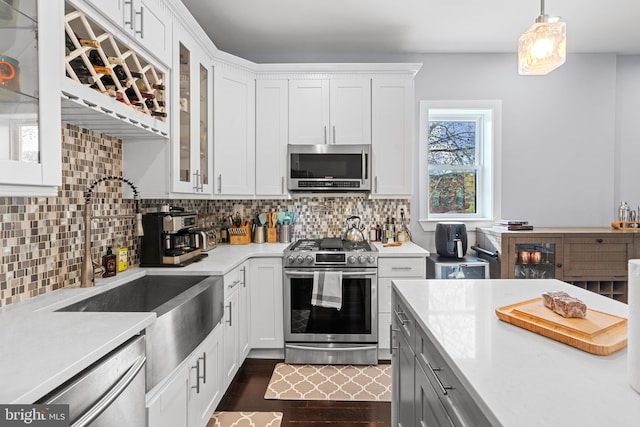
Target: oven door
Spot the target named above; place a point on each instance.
(355, 322)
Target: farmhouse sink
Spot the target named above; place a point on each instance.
(187, 309)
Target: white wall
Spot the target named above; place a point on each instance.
(558, 133)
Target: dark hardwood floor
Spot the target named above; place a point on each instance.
(246, 393)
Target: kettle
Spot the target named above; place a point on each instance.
(354, 230)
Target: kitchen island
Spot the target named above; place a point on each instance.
(514, 376)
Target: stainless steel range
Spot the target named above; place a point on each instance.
(331, 302)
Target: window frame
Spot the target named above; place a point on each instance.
(489, 178)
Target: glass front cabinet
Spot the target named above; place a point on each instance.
(30, 63)
(534, 258)
(192, 165)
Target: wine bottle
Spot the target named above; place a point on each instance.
(102, 70)
(158, 113)
(87, 80)
(120, 73)
(94, 57)
(135, 74)
(79, 67)
(131, 94)
(68, 43)
(150, 103)
(158, 86)
(115, 60)
(89, 42)
(142, 86)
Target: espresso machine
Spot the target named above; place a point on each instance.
(170, 239)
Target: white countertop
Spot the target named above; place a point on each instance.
(525, 379)
(406, 250)
(41, 348)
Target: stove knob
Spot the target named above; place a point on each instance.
(309, 259)
(371, 259)
(362, 259)
(291, 259)
(351, 259)
(300, 259)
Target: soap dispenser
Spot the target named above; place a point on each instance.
(110, 263)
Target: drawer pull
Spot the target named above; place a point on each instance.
(402, 317)
(599, 240)
(391, 331)
(443, 388)
(401, 268)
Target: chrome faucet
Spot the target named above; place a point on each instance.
(86, 273)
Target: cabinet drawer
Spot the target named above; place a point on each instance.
(402, 267)
(597, 256)
(457, 401)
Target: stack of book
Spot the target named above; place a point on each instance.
(511, 224)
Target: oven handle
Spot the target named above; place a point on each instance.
(304, 347)
(344, 273)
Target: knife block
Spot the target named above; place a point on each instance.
(272, 235)
(240, 235)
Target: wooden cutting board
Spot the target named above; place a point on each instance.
(598, 333)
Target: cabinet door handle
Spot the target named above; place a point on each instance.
(230, 312)
(334, 138)
(391, 331)
(131, 14)
(204, 367)
(197, 368)
(402, 317)
(233, 285)
(325, 134)
(141, 31)
(282, 185)
(244, 276)
(219, 183)
(375, 184)
(599, 240)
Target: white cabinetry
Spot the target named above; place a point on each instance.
(272, 109)
(191, 394)
(335, 111)
(148, 22)
(392, 135)
(235, 322)
(205, 379)
(30, 152)
(389, 269)
(234, 118)
(191, 165)
(266, 314)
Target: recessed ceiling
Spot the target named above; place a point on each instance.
(249, 28)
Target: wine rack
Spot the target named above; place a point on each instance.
(95, 58)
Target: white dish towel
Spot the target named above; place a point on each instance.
(327, 289)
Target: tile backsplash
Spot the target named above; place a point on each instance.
(42, 240)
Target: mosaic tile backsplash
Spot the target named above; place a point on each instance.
(41, 238)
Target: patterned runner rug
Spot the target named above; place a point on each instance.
(245, 419)
(330, 382)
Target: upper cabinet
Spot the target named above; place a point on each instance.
(234, 129)
(148, 22)
(108, 85)
(192, 167)
(392, 135)
(30, 155)
(330, 111)
(272, 109)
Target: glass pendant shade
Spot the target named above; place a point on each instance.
(543, 47)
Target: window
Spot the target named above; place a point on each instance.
(459, 162)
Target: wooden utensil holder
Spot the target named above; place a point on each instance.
(272, 235)
(240, 235)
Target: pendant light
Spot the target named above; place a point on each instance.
(543, 47)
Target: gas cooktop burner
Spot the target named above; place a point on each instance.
(330, 252)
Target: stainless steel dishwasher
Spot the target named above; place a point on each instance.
(109, 393)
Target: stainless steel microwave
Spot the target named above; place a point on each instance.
(329, 167)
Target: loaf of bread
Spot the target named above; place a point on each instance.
(564, 304)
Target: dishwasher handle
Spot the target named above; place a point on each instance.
(89, 416)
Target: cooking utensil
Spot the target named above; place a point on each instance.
(354, 230)
(274, 219)
(262, 218)
(280, 217)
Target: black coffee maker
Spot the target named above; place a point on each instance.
(451, 239)
(170, 239)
